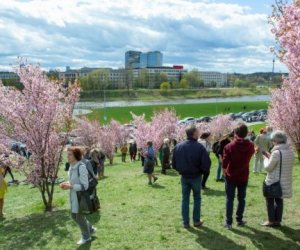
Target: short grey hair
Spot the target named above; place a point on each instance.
(190, 130)
(279, 137)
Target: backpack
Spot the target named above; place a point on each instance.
(88, 199)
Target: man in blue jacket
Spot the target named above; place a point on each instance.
(191, 160)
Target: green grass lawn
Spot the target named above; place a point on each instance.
(123, 115)
(137, 216)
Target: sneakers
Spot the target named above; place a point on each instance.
(150, 183)
(228, 226)
(198, 224)
(241, 223)
(155, 179)
(93, 230)
(82, 241)
(271, 224)
(186, 226)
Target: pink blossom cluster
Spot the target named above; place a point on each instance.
(284, 111)
(37, 115)
(87, 133)
(220, 126)
(163, 125)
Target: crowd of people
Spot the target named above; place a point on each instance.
(234, 152)
(192, 160)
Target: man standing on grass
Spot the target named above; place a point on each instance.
(236, 158)
(191, 160)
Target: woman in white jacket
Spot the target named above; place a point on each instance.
(272, 166)
(78, 183)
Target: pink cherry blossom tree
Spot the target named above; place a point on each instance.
(220, 126)
(87, 132)
(108, 142)
(121, 133)
(284, 110)
(40, 115)
(163, 124)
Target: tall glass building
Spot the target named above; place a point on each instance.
(137, 59)
(154, 59)
(132, 59)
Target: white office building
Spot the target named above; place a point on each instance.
(211, 77)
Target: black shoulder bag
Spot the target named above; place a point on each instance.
(274, 190)
(88, 200)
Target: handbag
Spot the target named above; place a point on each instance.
(88, 200)
(274, 190)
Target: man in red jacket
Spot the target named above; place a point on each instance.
(236, 158)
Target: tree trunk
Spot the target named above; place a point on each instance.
(47, 195)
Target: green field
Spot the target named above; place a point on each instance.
(122, 114)
(137, 216)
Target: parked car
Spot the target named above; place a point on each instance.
(203, 119)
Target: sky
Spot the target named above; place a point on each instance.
(214, 35)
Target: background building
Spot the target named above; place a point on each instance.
(132, 59)
(213, 79)
(138, 59)
(5, 75)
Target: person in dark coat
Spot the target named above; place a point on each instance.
(165, 156)
(191, 161)
(132, 151)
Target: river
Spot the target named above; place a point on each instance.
(94, 105)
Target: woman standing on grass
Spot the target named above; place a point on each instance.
(3, 189)
(279, 167)
(78, 180)
(149, 163)
(204, 140)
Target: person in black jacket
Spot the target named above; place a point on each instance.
(191, 160)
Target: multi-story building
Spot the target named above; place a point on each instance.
(211, 78)
(154, 59)
(4, 75)
(71, 74)
(138, 59)
(174, 74)
(132, 59)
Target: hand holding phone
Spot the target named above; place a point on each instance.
(266, 154)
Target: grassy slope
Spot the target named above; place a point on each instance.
(173, 94)
(136, 216)
(183, 110)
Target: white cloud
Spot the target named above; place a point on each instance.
(203, 34)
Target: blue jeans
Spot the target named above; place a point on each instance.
(219, 170)
(230, 188)
(187, 185)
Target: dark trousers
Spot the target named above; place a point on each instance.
(204, 180)
(8, 170)
(143, 160)
(84, 224)
(188, 185)
(230, 188)
(275, 209)
(165, 164)
(124, 157)
(132, 156)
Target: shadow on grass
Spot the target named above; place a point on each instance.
(35, 230)
(213, 240)
(213, 192)
(293, 234)
(157, 186)
(266, 240)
